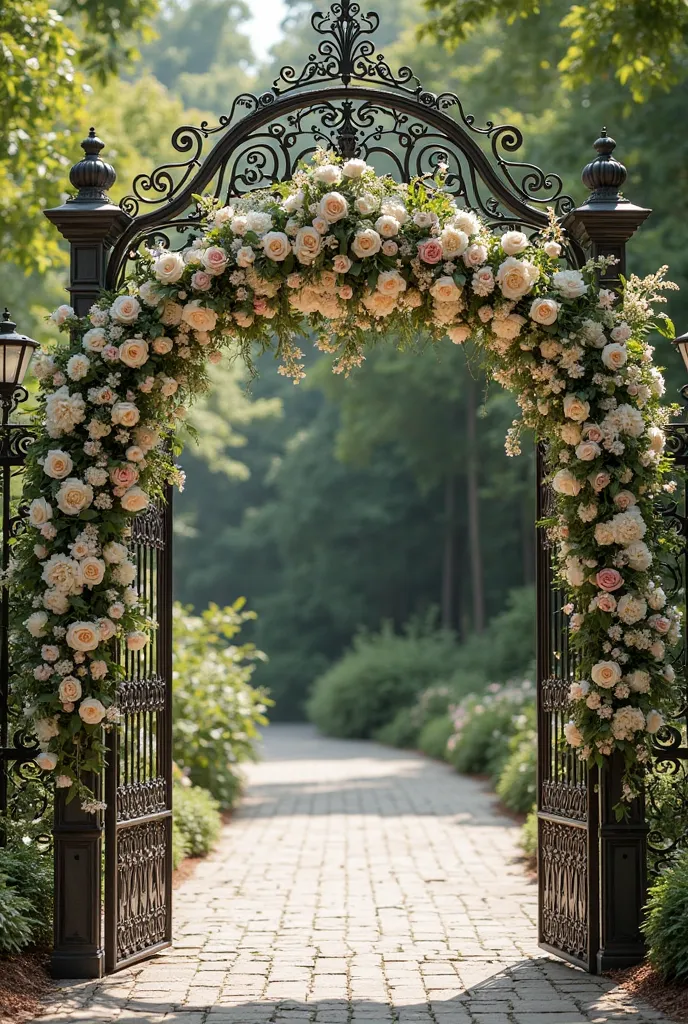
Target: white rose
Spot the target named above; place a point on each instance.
(631, 608)
(125, 309)
(333, 207)
(307, 244)
(83, 636)
(56, 601)
(514, 242)
(125, 414)
(354, 168)
(576, 409)
(94, 340)
(390, 282)
(587, 451)
(137, 640)
(134, 352)
(169, 267)
(61, 314)
(653, 722)
(516, 277)
(199, 317)
(606, 674)
(454, 242)
(657, 439)
(366, 204)
(36, 623)
(46, 761)
(91, 711)
(565, 482)
(366, 243)
(73, 496)
(544, 311)
(62, 573)
(135, 500)
(445, 290)
(553, 249)
(614, 356)
(328, 174)
(569, 283)
(638, 556)
(639, 680)
(114, 552)
(57, 464)
(570, 433)
(276, 246)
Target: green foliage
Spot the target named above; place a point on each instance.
(505, 651)
(434, 736)
(484, 725)
(528, 838)
(666, 921)
(197, 819)
(17, 922)
(516, 785)
(179, 850)
(381, 673)
(402, 731)
(216, 711)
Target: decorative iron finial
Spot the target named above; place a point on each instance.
(7, 326)
(604, 175)
(91, 175)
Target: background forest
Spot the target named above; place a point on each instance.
(335, 506)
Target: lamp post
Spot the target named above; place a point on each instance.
(16, 351)
(681, 345)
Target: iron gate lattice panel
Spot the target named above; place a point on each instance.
(138, 780)
(567, 810)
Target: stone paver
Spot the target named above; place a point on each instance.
(356, 885)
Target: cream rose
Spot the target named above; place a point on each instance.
(341, 264)
(445, 290)
(544, 311)
(454, 242)
(214, 259)
(366, 243)
(57, 464)
(606, 674)
(354, 168)
(135, 500)
(587, 451)
(125, 414)
(137, 640)
(92, 571)
(91, 711)
(125, 309)
(307, 244)
(564, 482)
(83, 636)
(276, 246)
(73, 496)
(169, 267)
(333, 207)
(171, 313)
(134, 353)
(36, 623)
(386, 226)
(614, 356)
(390, 282)
(69, 690)
(514, 242)
(366, 204)
(569, 283)
(94, 340)
(576, 408)
(162, 345)
(516, 277)
(199, 317)
(46, 761)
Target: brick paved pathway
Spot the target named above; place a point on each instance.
(357, 885)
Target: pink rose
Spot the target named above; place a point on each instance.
(201, 281)
(346, 291)
(592, 432)
(609, 579)
(124, 476)
(430, 251)
(606, 602)
(260, 306)
(598, 481)
(110, 353)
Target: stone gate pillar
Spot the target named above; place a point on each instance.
(91, 224)
(602, 226)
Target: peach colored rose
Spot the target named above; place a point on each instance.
(609, 580)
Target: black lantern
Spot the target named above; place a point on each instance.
(681, 344)
(16, 351)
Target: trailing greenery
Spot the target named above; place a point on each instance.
(666, 921)
(216, 711)
(197, 819)
(381, 674)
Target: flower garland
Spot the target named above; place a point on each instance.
(348, 255)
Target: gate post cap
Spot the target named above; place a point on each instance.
(604, 175)
(92, 176)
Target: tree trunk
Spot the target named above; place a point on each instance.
(473, 503)
(449, 555)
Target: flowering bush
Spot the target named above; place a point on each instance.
(483, 726)
(349, 255)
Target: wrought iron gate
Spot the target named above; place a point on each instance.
(349, 98)
(138, 779)
(568, 869)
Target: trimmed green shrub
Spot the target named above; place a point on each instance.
(379, 675)
(179, 849)
(434, 736)
(405, 728)
(216, 712)
(198, 820)
(484, 725)
(29, 873)
(17, 920)
(401, 732)
(517, 780)
(666, 921)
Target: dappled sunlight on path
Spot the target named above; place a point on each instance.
(355, 884)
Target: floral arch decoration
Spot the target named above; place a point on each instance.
(349, 256)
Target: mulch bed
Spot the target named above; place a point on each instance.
(670, 997)
(24, 983)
